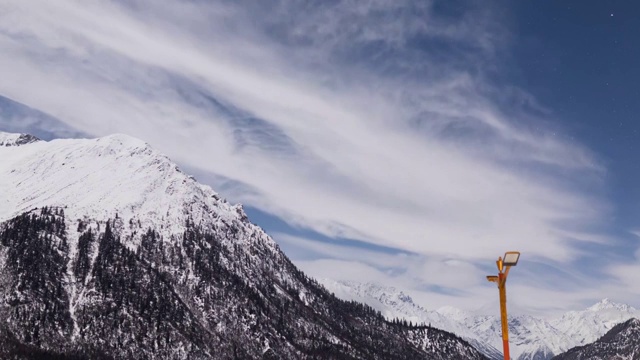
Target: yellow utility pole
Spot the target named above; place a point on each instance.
(504, 265)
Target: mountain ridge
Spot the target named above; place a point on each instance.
(531, 338)
(10, 139)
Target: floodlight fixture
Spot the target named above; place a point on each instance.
(511, 258)
(492, 278)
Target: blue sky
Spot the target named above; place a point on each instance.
(578, 59)
(404, 142)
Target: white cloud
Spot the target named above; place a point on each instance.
(541, 288)
(362, 133)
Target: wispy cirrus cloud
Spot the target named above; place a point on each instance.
(374, 120)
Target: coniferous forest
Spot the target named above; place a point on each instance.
(216, 293)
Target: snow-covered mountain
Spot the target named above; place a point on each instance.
(395, 304)
(588, 325)
(109, 251)
(531, 338)
(95, 178)
(622, 342)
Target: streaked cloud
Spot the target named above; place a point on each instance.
(377, 121)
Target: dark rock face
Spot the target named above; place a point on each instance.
(216, 292)
(23, 139)
(620, 343)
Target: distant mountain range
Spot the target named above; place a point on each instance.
(531, 338)
(109, 251)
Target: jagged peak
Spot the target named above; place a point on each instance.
(606, 303)
(16, 139)
(97, 178)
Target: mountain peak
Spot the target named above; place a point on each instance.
(99, 178)
(123, 141)
(606, 304)
(12, 139)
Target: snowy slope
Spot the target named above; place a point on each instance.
(588, 325)
(393, 303)
(622, 342)
(531, 338)
(141, 183)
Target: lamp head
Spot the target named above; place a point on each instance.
(492, 278)
(511, 258)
